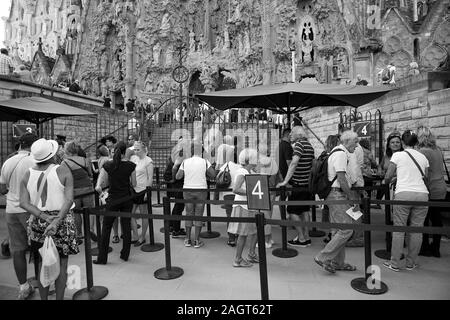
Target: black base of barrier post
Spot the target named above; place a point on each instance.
(284, 251)
(383, 254)
(168, 272)
(91, 292)
(371, 283)
(314, 233)
(208, 234)
(152, 246)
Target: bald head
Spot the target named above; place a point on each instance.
(297, 133)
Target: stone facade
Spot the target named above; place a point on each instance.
(128, 49)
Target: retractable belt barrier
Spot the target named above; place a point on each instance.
(170, 272)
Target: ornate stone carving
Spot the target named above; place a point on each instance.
(392, 45)
(433, 56)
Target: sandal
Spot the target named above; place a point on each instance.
(231, 243)
(253, 258)
(326, 265)
(344, 267)
(115, 239)
(242, 263)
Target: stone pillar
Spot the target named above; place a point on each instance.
(206, 28)
(267, 56)
(415, 17)
(56, 6)
(129, 78)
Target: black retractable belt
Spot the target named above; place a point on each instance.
(158, 196)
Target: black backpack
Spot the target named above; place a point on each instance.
(168, 172)
(318, 178)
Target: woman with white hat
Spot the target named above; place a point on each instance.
(46, 192)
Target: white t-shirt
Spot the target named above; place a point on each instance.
(142, 173)
(339, 162)
(195, 172)
(11, 176)
(233, 171)
(241, 172)
(409, 178)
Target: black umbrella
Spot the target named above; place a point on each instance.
(290, 98)
(37, 110)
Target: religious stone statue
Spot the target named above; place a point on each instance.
(192, 41)
(165, 25)
(247, 48)
(148, 84)
(156, 53)
(219, 45)
(240, 45)
(307, 39)
(169, 56)
(226, 36)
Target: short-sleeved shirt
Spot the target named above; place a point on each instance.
(284, 155)
(142, 173)
(119, 179)
(304, 150)
(12, 173)
(195, 172)
(409, 178)
(241, 172)
(338, 162)
(438, 187)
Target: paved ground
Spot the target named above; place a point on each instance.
(208, 272)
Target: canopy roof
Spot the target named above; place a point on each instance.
(37, 110)
(293, 97)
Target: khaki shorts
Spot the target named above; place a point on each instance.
(17, 229)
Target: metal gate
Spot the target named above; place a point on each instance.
(369, 126)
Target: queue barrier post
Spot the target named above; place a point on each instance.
(314, 232)
(91, 292)
(284, 251)
(371, 283)
(98, 228)
(152, 246)
(260, 222)
(208, 234)
(158, 196)
(385, 254)
(168, 272)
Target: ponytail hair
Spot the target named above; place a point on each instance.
(119, 151)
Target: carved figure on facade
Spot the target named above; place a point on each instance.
(165, 25)
(156, 53)
(192, 41)
(226, 37)
(218, 46)
(340, 64)
(169, 56)
(247, 47)
(307, 32)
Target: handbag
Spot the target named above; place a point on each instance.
(65, 236)
(223, 179)
(425, 180)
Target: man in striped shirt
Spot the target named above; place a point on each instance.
(297, 176)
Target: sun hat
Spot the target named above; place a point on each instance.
(43, 150)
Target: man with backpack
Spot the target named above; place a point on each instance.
(332, 257)
(298, 176)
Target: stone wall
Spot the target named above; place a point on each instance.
(419, 100)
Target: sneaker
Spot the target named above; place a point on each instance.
(187, 243)
(253, 258)
(26, 293)
(178, 234)
(268, 245)
(415, 265)
(115, 239)
(242, 264)
(296, 242)
(388, 265)
(198, 243)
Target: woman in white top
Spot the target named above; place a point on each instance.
(194, 171)
(411, 167)
(144, 179)
(46, 192)
(248, 159)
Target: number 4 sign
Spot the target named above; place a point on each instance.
(258, 197)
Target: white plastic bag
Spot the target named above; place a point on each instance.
(50, 262)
